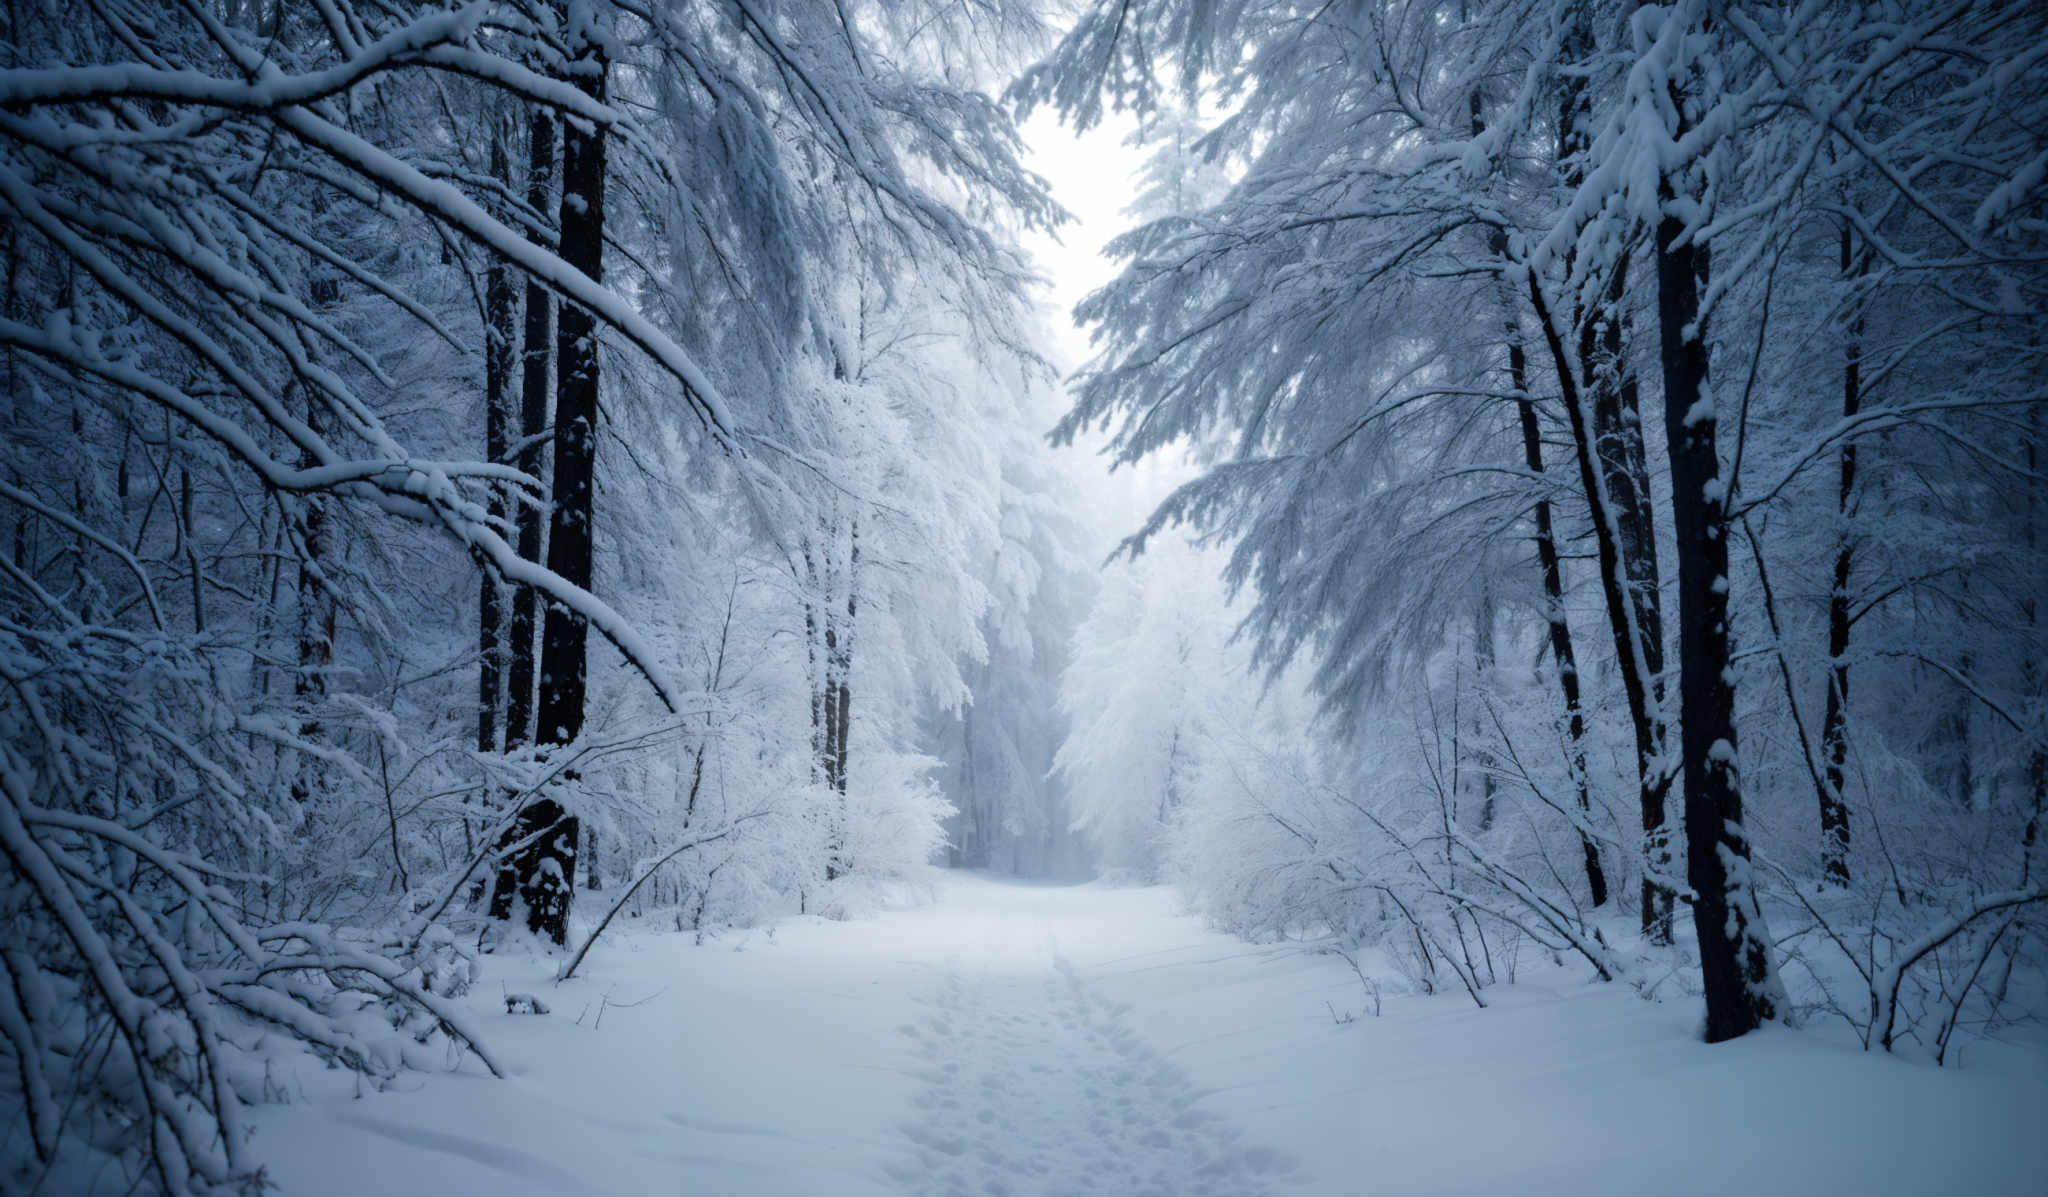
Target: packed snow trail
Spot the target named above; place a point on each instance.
(994, 1038)
(1037, 1085)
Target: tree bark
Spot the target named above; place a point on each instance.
(2032, 671)
(840, 702)
(498, 318)
(1834, 740)
(546, 873)
(1607, 436)
(536, 360)
(1559, 628)
(317, 616)
(1482, 669)
(814, 658)
(1634, 605)
(1561, 648)
(828, 761)
(1652, 776)
(1735, 961)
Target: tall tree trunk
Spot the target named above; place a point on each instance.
(1834, 739)
(846, 654)
(10, 307)
(839, 700)
(1561, 648)
(498, 320)
(1652, 777)
(546, 869)
(191, 543)
(315, 647)
(314, 650)
(1607, 436)
(2030, 674)
(1635, 608)
(1558, 627)
(814, 656)
(1735, 961)
(1482, 669)
(828, 700)
(536, 360)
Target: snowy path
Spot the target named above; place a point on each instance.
(1038, 1085)
(1012, 1040)
(949, 1049)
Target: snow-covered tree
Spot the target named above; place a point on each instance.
(1412, 349)
(314, 314)
(1151, 697)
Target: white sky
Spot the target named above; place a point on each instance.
(1093, 176)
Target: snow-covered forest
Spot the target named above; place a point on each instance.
(609, 596)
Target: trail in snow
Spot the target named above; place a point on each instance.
(1002, 1039)
(1037, 1085)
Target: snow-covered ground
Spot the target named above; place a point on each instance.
(1012, 1040)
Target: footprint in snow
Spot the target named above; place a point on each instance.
(1045, 1091)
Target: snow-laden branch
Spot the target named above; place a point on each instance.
(22, 498)
(1885, 981)
(646, 871)
(30, 87)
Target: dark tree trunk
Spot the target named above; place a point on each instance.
(829, 702)
(1608, 439)
(817, 680)
(2035, 801)
(838, 707)
(1561, 648)
(316, 607)
(498, 320)
(1735, 962)
(696, 784)
(845, 697)
(1482, 668)
(1559, 628)
(828, 638)
(545, 870)
(2030, 672)
(10, 307)
(315, 646)
(1834, 739)
(1617, 441)
(317, 611)
(1653, 781)
(185, 527)
(819, 641)
(536, 359)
